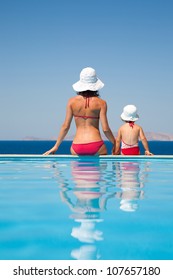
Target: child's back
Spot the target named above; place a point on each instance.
(130, 133)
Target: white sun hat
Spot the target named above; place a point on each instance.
(130, 113)
(88, 81)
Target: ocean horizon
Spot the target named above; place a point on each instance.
(40, 146)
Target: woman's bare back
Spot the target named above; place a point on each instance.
(86, 111)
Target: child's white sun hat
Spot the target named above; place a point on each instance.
(129, 113)
(88, 81)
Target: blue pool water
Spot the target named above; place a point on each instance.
(70, 208)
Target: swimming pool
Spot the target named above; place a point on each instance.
(72, 208)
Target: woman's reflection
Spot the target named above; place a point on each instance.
(86, 200)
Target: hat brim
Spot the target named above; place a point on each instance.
(80, 86)
(132, 119)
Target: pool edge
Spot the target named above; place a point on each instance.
(65, 156)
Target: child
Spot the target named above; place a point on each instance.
(130, 133)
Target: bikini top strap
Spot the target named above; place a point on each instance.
(87, 102)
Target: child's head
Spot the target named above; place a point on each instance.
(129, 114)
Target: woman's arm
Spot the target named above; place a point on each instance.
(116, 151)
(63, 131)
(104, 123)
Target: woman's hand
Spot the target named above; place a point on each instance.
(51, 151)
(147, 153)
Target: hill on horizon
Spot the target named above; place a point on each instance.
(157, 136)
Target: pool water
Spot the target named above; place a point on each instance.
(70, 208)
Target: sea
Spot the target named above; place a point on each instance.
(38, 147)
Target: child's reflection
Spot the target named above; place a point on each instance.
(131, 178)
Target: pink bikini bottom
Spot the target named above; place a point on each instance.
(87, 148)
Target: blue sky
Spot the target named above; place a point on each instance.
(46, 43)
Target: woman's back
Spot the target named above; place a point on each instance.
(86, 111)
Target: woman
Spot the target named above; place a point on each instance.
(87, 108)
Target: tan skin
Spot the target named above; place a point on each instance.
(87, 130)
(131, 136)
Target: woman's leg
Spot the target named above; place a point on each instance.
(102, 150)
(72, 151)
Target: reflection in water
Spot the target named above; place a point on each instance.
(86, 252)
(131, 178)
(92, 184)
(87, 201)
(86, 232)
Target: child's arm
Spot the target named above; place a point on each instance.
(144, 142)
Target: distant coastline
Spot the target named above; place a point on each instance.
(159, 136)
(155, 136)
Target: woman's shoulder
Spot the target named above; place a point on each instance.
(73, 99)
(102, 101)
